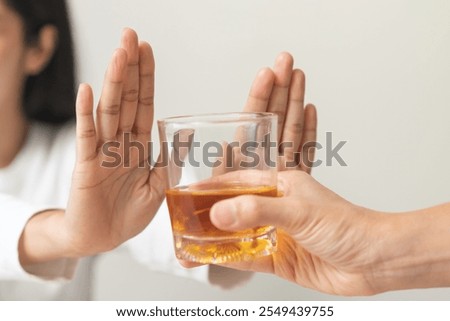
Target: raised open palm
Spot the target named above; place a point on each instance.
(281, 90)
(113, 198)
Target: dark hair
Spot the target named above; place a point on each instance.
(50, 95)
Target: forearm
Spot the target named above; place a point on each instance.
(415, 250)
(43, 250)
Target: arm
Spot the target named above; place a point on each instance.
(417, 253)
(41, 251)
(13, 217)
(331, 245)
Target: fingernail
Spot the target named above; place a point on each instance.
(224, 214)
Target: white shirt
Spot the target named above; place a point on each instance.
(39, 178)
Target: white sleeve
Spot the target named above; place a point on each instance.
(13, 218)
(154, 248)
(52, 174)
(14, 215)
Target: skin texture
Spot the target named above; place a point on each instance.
(107, 206)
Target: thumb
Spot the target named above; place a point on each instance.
(249, 211)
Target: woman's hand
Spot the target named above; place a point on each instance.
(281, 90)
(109, 203)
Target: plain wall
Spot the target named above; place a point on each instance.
(378, 72)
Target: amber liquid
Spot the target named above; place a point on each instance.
(198, 240)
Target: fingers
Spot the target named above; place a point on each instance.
(258, 99)
(130, 93)
(144, 116)
(293, 125)
(108, 111)
(86, 136)
(249, 211)
(280, 93)
(126, 103)
(309, 136)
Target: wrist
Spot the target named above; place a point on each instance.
(44, 239)
(413, 250)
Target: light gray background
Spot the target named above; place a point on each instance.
(378, 72)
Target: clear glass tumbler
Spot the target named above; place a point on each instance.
(214, 157)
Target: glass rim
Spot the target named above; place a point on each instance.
(217, 118)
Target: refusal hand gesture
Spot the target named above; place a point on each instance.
(108, 205)
(281, 90)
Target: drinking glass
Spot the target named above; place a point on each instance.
(210, 158)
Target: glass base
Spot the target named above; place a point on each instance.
(216, 250)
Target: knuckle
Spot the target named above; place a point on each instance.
(150, 75)
(295, 128)
(111, 109)
(88, 133)
(146, 101)
(131, 95)
(125, 128)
